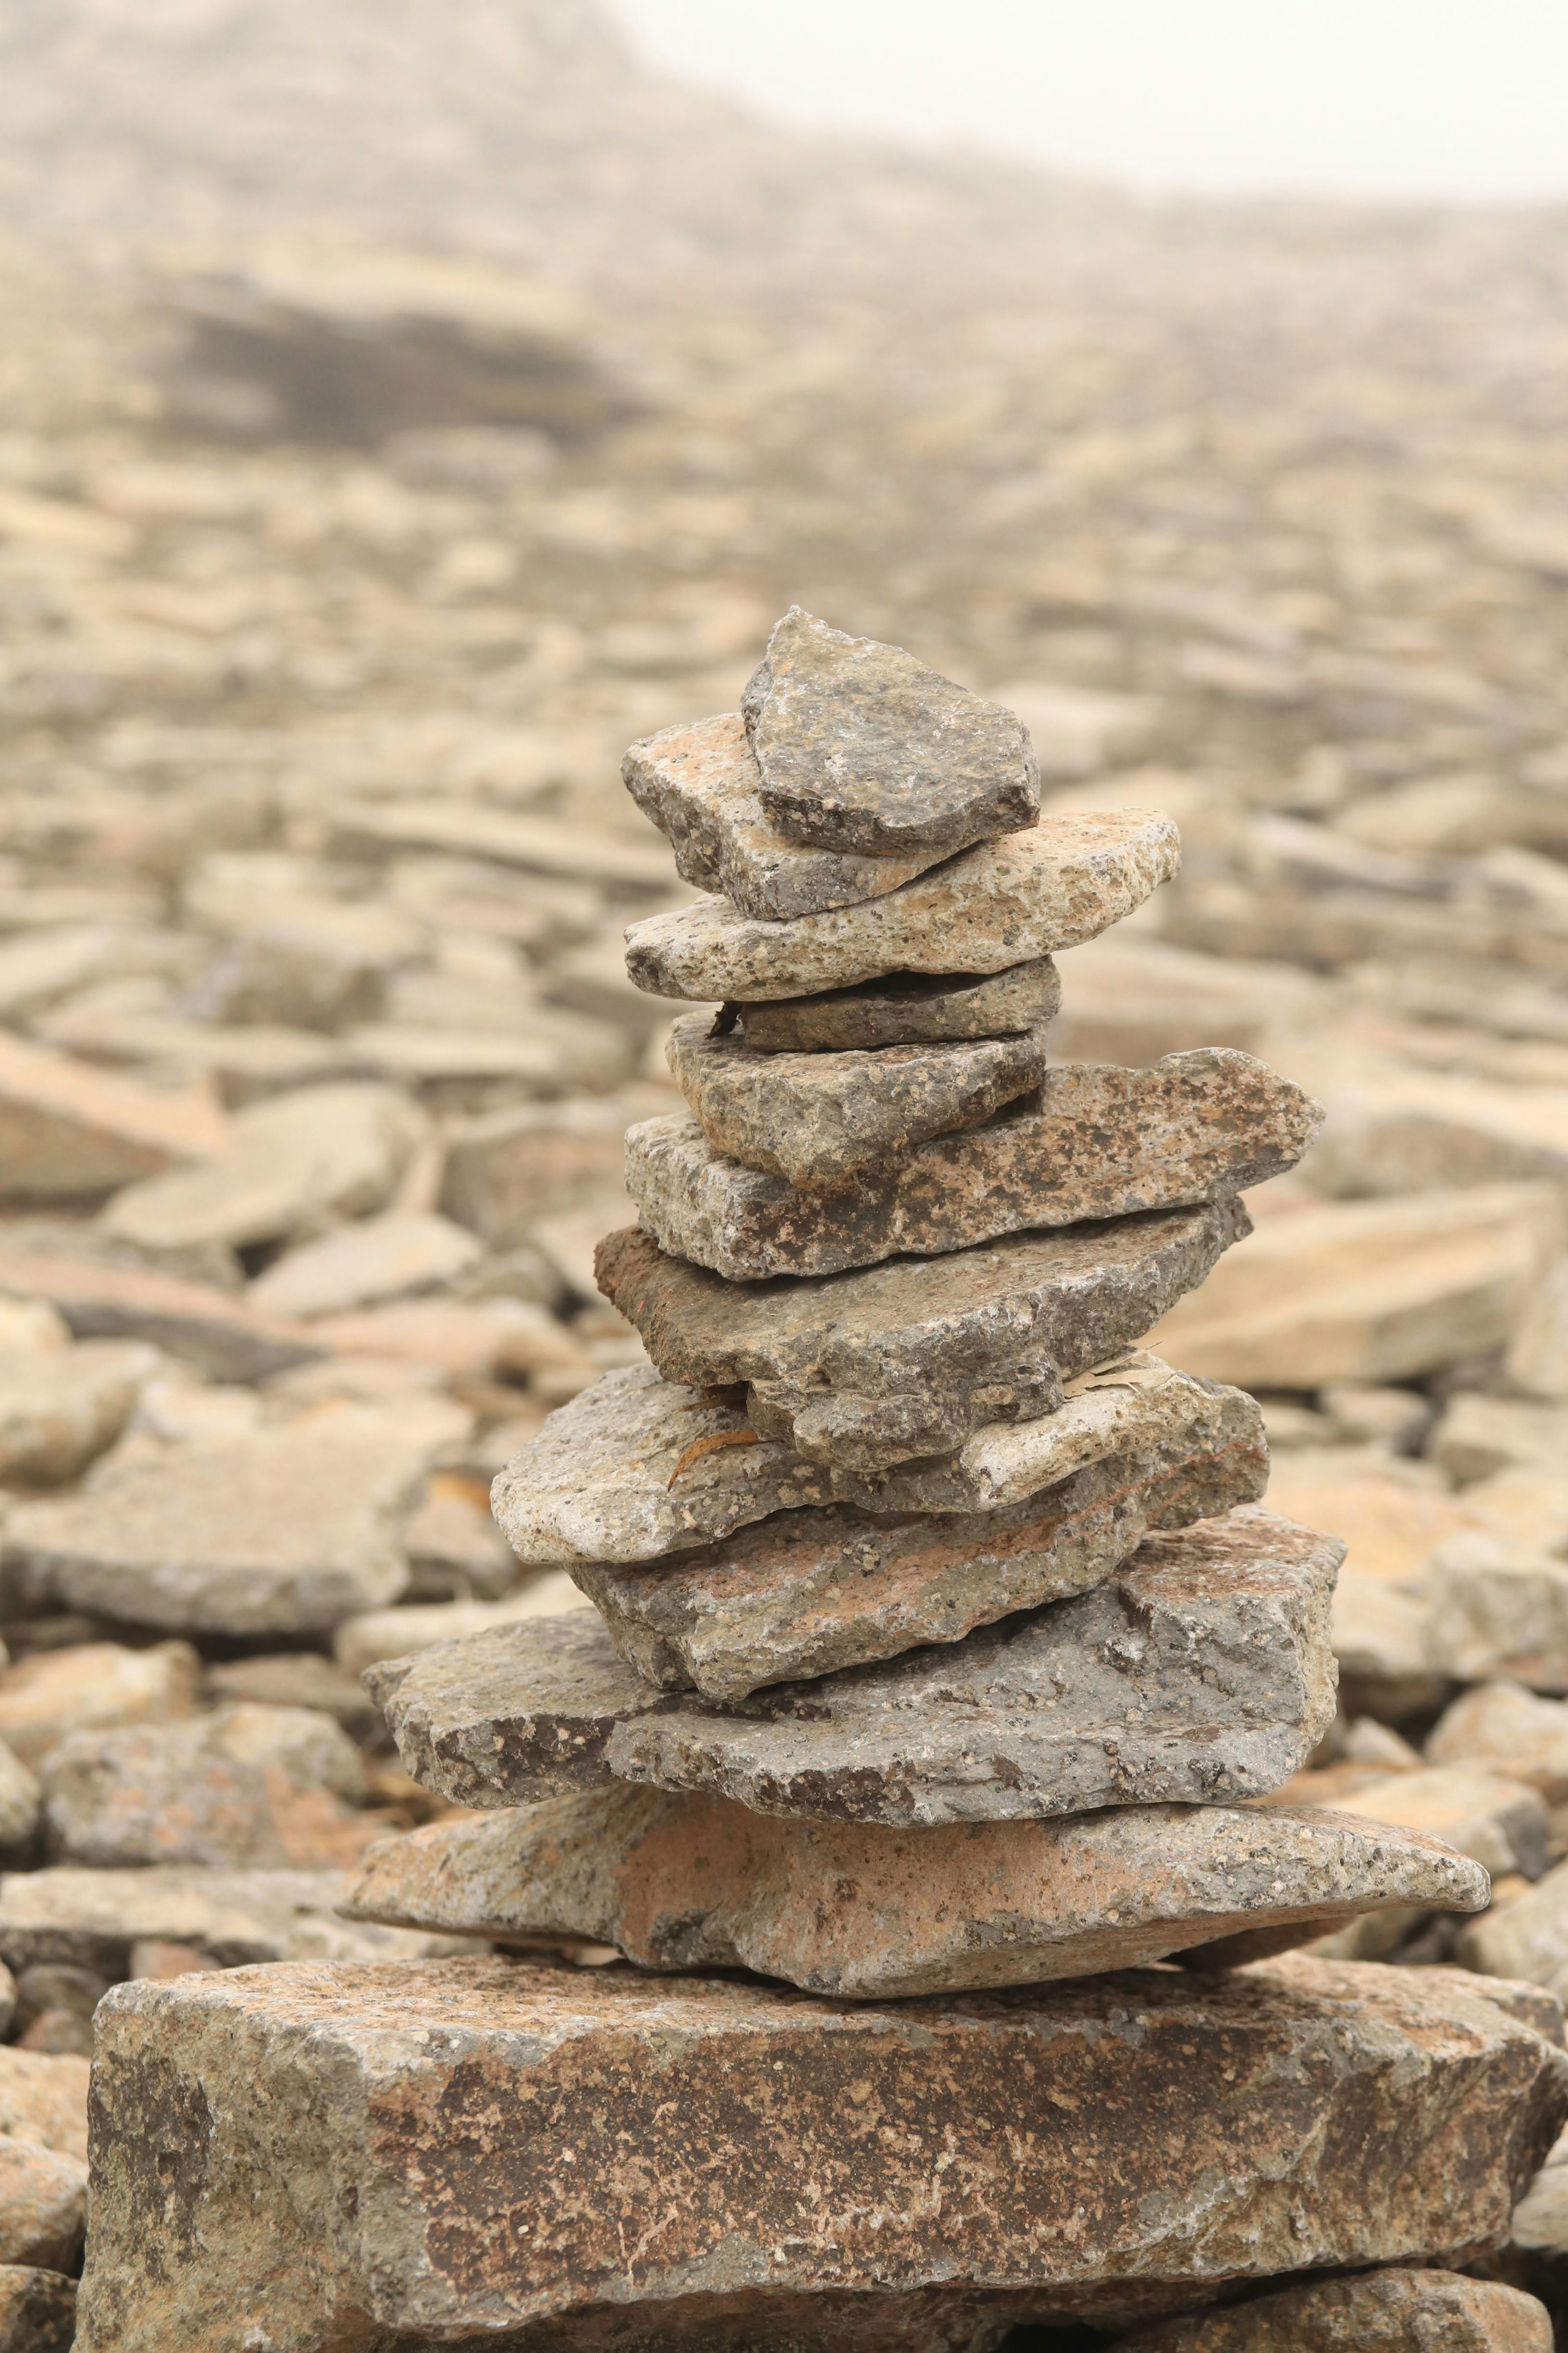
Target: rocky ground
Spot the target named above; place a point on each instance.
(371, 475)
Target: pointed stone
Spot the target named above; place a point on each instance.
(1201, 1672)
(1095, 1141)
(893, 1362)
(700, 785)
(908, 1009)
(1113, 2149)
(1065, 880)
(817, 1119)
(862, 747)
(811, 1591)
(860, 1910)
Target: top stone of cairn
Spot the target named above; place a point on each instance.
(861, 747)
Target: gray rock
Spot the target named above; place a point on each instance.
(507, 1169)
(816, 1119)
(861, 747)
(1095, 1141)
(810, 1591)
(1116, 2147)
(1003, 902)
(912, 1357)
(692, 1880)
(700, 785)
(908, 1009)
(1200, 1671)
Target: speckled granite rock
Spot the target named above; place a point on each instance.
(1200, 1671)
(811, 1591)
(893, 1362)
(592, 2162)
(691, 1881)
(816, 1119)
(1003, 902)
(1380, 2312)
(908, 1009)
(1095, 1141)
(699, 784)
(862, 747)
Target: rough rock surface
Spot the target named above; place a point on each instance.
(811, 1591)
(691, 1881)
(1503, 1728)
(1005, 902)
(908, 1009)
(860, 747)
(38, 2310)
(1094, 1142)
(816, 1119)
(889, 1363)
(753, 2157)
(1380, 2312)
(43, 2206)
(700, 785)
(1201, 1672)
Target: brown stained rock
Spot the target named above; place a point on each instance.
(816, 1119)
(1095, 1141)
(902, 1360)
(691, 1881)
(812, 1591)
(700, 785)
(1380, 2312)
(908, 1009)
(861, 747)
(1201, 1672)
(592, 2161)
(38, 2310)
(1003, 902)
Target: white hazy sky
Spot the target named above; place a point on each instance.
(1462, 98)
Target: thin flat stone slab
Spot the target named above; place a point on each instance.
(911, 1359)
(700, 785)
(90, 1920)
(862, 747)
(689, 1881)
(1380, 2312)
(1201, 1672)
(908, 1009)
(1094, 1142)
(817, 1119)
(1003, 902)
(811, 1591)
(590, 2160)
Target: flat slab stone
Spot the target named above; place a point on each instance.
(701, 785)
(90, 1920)
(908, 1009)
(1380, 2312)
(816, 1119)
(691, 1881)
(862, 747)
(585, 2159)
(1200, 1671)
(1003, 902)
(811, 1591)
(891, 1363)
(1095, 1141)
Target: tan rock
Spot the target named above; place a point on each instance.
(203, 1326)
(1394, 1513)
(105, 1921)
(1382, 2312)
(93, 1687)
(1479, 1436)
(38, 2310)
(1380, 1637)
(1103, 2095)
(68, 1131)
(1136, 1000)
(20, 1802)
(1373, 1291)
(60, 1408)
(1500, 1727)
(1496, 1610)
(1094, 1143)
(43, 2101)
(1002, 903)
(505, 1169)
(374, 1634)
(1528, 1939)
(1500, 1823)
(1415, 1130)
(381, 1258)
(1538, 1355)
(43, 2207)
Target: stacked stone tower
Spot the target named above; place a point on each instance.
(940, 1654)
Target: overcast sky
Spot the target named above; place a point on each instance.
(1464, 99)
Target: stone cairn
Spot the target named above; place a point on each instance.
(940, 1653)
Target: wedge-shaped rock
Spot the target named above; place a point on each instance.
(816, 1119)
(688, 1881)
(908, 1009)
(1201, 1672)
(1094, 1142)
(908, 1359)
(591, 2159)
(811, 1591)
(1005, 902)
(1380, 2312)
(701, 787)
